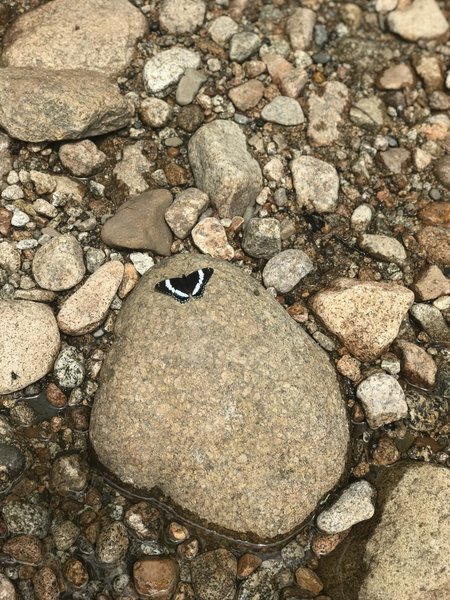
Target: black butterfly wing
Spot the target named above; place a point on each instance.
(202, 278)
(175, 287)
(182, 288)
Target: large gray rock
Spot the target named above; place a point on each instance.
(402, 554)
(236, 415)
(97, 35)
(223, 167)
(38, 105)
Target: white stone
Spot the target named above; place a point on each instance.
(284, 111)
(355, 504)
(166, 68)
(284, 270)
(361, 217)
(19, 218)
(422, 20)
(142, 262)
(383, 399)
(222, 29)
(183, 213)
(12, 192)
(383, 247)
(316, 183)
(181, 16)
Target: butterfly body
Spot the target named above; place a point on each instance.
(187, 286)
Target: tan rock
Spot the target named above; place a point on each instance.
(59, 264)
(431, 283)
(300, 26)
(247, 95)
(132, 168)
(247, 564)
(308, 581)
(325, 113)
(421, 20)
(436, 243)
(418, 367)
(155, 577)
(129, 280)
(82, 159)
(430, 70)
(45, 584)
(84, 310)
(210, 237)
(9, 257)
(181, 16)
(364, 315)
(277, 66)
(185, 210)
(436, 213)
(397, 77)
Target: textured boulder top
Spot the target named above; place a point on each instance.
(224, 403)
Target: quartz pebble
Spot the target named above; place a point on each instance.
(59, 264)
(316, 184)
(420, 20)
(185, 210)
(284, 111)
(166, 68)
(210, 237)
(382, 398)
(69, 474)
(284, 270)
(82, 159)
(355, 504)
(262, 238)
(222, 29)
(299, 28)
(418, 367)
(155, 112)
(383, 247)
(361, 217)
(155, 577)
(431, 283)
(243, 45)
(142, 262)
(181, 16)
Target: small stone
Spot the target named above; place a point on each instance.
(349, 367)
(7, 589)
(368, 113)
(35, 295)
(262, 583)
(262, 238)
(68, 368)
(55, 396)
(383, 399)
(247, 95)
(436, 128)
(325, 113)
(277, 66)
(308, 582)
(420, 20)
(139, 223)
(69, 474)
(284, 271)
(45, 584)
(87, 308)
(181, 16)
(12, 192)
(177, 533)
(112, 543)
(316, 184)
(243, 45)
(76, 572)
(395, 160)
(24, 548)
(95, 258)
(436, 243)
(442, 171)
(176, 174)
(386, 452)
(9, 257)
(144, 520)
(129, 280)
(294, 82)
(210, 237)
(355, 504)
(43, 182)
(189, 86)
(42, 207)
(361, 217)
(183, 213)
(429, 68)
(300, 27)
(283, 111)
(166, 68)
(417, 365)
(222, 29)
(214, 575)
(65, 535)
(82, 159)
(154, 112)
(132, 168)
(431, 283)
(323, 544)
(383, 247)
(5, 221)
(190, 118)
(247, 564)
(397, 77)
(142, 262)
(23, 516)
(59, 264)
(155, 577)
(432, 321)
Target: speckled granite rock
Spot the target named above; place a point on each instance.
(248, 407)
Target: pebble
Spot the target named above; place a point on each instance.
(430, 283)
(69, 474)
(262, 583)
(25, 517)
(142, 262)
(189, 86)
(7, 589)
(369, 113)
(365, 315)
(432, 321)
(45, 584)
(294, 82)
(300, 27)
(383, 247)
(95, 258)
(277, 66)
(442, 171)
(325, 113)
(222, 30)
(421, 20)
(210, 237)
(129, 280)
(43, 182)
(155, 112)
(243, 45)
(12, 192)
(429, 69)
(349, 367)
(30, 342)
(112, 543)
(247, 564)
(82, 159)
(35, 295)
(76, 573)
(247, 95)
(190, 118)
(308, 582)
(68, 369)
(316, 184)
(59, 264)
(395, 160)
(397, 77)
(139, 223)
(355, 504)
(181, 16)
(223, 168)
(183, 213)
(144, 520)
(5, 221)
(87, 34)
(436, 243)
(214, 575)
(383, 399)
(132, 168)
(9, 257)
(262, 238)
(418, 367)
(284, 270)
(12, 463)
(78, 104)
(166, 68)
(283, 111)
(361, 217)
(42, 207)
(156, 577)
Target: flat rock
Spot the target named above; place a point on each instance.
(364, 315)
(368, 113)
(223, 167)
(355, 504)
(316, 184)
(84, 310)
(284, 270)
(211, 238)
(132, 168)
(59, 264)
(325, 113)
(421, 20)
(139, 223)
(230, 409)
(300, 27)
(39, 105)
(166, 68)
(181, 16)
(431, 283)
(82, 159)
(432, 321)
(418, 367)
(383, 247)
(283, 111)
(29, 339)
(436, 243)
(382, 398)
(189, 86)
(183, 214)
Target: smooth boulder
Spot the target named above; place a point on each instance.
(233, 409)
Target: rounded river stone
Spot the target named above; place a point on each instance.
(224, 403)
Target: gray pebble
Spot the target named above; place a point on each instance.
(68, 368)
(262, 238)
(22, 516)
(12, 465)
(284, 111)
(189, 85)
(284, 270)
(112, 543)
(243, 45)
(355, 504)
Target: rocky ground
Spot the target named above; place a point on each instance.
(308, 144)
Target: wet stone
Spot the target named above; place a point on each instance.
(308, 582)
(316, 184)
(69, 369)
(355, 504)
(155, 112)
(65, 534)
(243, 45)
(425, 411)
(112, 543)
(262, 238)
(144, 520)
(155, 577)
(25, 548)
(69, 474)
(25, 517)
(210, 237)
(7, 589)
(177, 533)
(59, 264)
(247, 564)
(76, 572)
(214, 575)
(283, 111)
(82, 159)
(183, 213)
(12, 465)
(166, 68)
(262, 583)
(383, 400)
(283, 271)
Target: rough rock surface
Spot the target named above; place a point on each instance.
(230, 408)
(223, 167)
(364, 315)
(181, 16)
(42, 104)
(59, 264)
(166, 68)
(316, 183)
(355, 504)
(29, 342)
(96, 35)
(421, 20)
(325, 113)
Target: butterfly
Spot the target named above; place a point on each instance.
(187, 286)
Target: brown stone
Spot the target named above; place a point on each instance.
(349, 367)
(190, 117)
(176, 174)
(396, 78)
(177, 533)
(155, 578)
(82, 159)
(308, 581)
(247, 95)
(324, 543)
(442, 167)
(45, 584)
(55, 396)
(429, 69)
(436, 243)
(76, 572)
(129, 280)
(5, 221)
(386, 452)
(247, 564)
(436, 213)
(418, 367)
(24, 548)
(144, 520)
(431, 283)
(277, 66)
